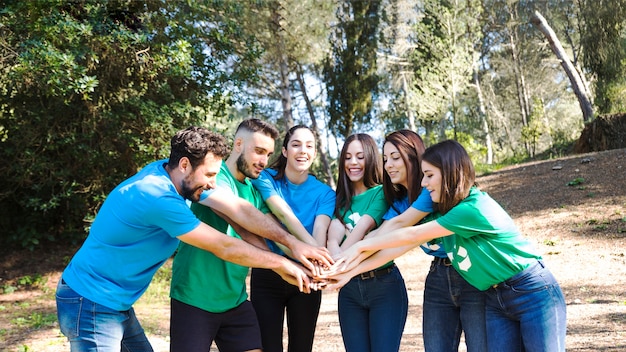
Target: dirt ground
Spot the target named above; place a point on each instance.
(573, 209)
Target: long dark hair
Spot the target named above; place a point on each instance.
(372, 173)
(280, 164)
(411, 147)
(457, 172)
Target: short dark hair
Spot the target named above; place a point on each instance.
(457, 172)
(195, 143)
(258, 125)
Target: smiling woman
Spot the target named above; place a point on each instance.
(372, 306)
(524, 304)
(304, 205)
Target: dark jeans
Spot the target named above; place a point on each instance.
(452, 305)
(372, 312)
(271, 297)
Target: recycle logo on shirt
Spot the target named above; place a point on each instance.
(354, 217)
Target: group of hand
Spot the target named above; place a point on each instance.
(319, 270)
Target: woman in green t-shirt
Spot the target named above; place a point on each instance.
(373, 306)
(525, 307)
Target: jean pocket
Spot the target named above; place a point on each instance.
(533, 282)
(69, 308)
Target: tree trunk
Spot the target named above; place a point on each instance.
(330, 180)
(483, 117)
(284, 69)
(409, 111)
(520, 85)
(575, 78)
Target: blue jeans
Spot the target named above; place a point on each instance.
(92, 327)
(452, 305)
(527, 313)
(372, 312)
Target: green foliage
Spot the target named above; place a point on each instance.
(92, 91)
(604, 44)
(577, 181)
(35, 320)
(350, 73)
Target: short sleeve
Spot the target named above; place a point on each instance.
(423, 202)
(173, 215)
(265, 185)
(327, 203)
(378, 206)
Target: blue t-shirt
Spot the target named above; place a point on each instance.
(425, 204)
(307, 200)
(133, 234)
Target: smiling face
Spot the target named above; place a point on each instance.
(354, 162)
(432, 181)
(201, 178)
(255, 150)
(300, 150)
(394, 165)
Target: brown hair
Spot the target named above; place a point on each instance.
(258, 125)
(457, 172)
(194, 143)
(280, 164)
(411, 147)
(372, 173)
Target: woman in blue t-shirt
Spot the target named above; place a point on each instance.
(525, 308)
(451, 304)
(304, 205)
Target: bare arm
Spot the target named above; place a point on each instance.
(409, 217)
(336, 232)
(407, 236)
(245, 234)
(340, 278)
(320, 229)
(239, 252)
(245, 214)
(286, 216)
(365, 224)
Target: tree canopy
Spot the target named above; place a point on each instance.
(91, 91)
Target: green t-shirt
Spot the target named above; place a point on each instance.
(371, 202)
(486, 247)
(201, 279)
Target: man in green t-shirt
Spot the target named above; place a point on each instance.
(209, 300)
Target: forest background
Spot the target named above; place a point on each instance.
(91, 91)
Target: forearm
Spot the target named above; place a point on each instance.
(245, 234)
(358, 233)
(381, 257)
(253, 220)
(246, 215)
(321, 229)
(232, 249)
(295, 227)
(409, 217)
(285, 215)
(412, 235)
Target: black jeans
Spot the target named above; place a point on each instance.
(271, 296)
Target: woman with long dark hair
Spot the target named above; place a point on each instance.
(304, 205)
(373, 305)
(525, 308)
